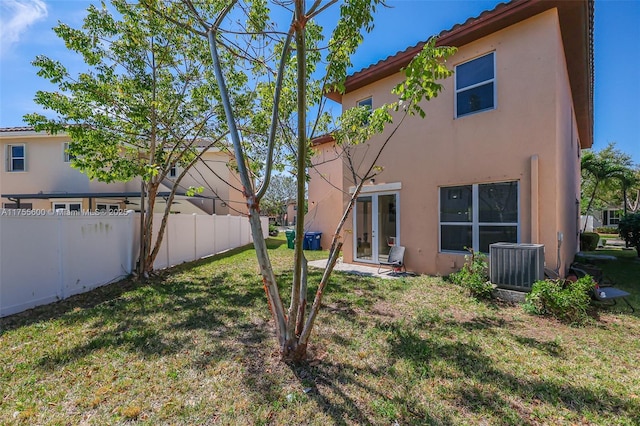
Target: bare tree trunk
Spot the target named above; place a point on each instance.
(593, 196)
(301, 171)
(268, 277)
(152, 192)
(141, 256)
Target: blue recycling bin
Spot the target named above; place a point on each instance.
(312, 241)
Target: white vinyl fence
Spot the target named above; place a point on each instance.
(48, 257)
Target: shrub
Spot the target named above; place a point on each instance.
(474, 276)
(565, 300)
(589, 241)
(607, 230)
(273, 230)
(629, 230)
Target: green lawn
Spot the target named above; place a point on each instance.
(623, 272)
(196, 346)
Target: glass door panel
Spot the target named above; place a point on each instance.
(376, 227)
(387, 226)
(364, 228)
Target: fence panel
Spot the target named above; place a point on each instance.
(95, 250)
(54, 256)
(181, 238)
(222, 233)
(50, 257)
(30, 263)
(205, 235)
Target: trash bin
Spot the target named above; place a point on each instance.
(291, 237)
(312, 241)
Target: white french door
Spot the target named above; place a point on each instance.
(377, 226)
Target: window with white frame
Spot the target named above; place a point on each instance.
(65, 153)
(475, 216)
(103, 207)
(366, 103)
(172, 171)
(68, 206)
(612, 217)
(16, 158)
(475, 85)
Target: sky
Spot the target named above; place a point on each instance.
(26, 31)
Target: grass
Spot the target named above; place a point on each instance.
(196, 346)
(623, 273)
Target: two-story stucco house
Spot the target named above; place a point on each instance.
(36, 173)
(497, 158)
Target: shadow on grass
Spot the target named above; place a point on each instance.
(214, 302)
(156, 320)
(481, 391)
(151, 318)
(492, 394)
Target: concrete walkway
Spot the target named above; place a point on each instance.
(365, 271)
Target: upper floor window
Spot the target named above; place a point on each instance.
(475, 85)
(368, 103)
(16, 158)
(172, 171)
(65, 152)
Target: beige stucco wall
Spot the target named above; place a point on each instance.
(568, 166)
(214, 176)
(527, 134)
(47, 172)
(325, 197)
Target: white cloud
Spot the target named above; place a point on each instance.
(16, 16)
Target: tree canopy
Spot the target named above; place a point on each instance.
(281, 45)
(146, 103)
(609, 179)
(281, 190)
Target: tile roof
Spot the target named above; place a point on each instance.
(16, 129)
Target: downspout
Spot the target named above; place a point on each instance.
(535, 212)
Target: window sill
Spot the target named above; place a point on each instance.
(474, 113)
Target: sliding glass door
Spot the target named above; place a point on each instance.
(376, 225)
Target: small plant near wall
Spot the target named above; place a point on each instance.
(565, 300)
(474, 275)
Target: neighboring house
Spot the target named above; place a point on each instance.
(292, 212)
(497, 158)
(37, 174)
(610, 217)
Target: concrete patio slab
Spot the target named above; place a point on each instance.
(365, 271)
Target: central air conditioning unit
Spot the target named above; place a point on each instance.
(516, 266)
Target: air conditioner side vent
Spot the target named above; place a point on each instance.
(516, 266)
